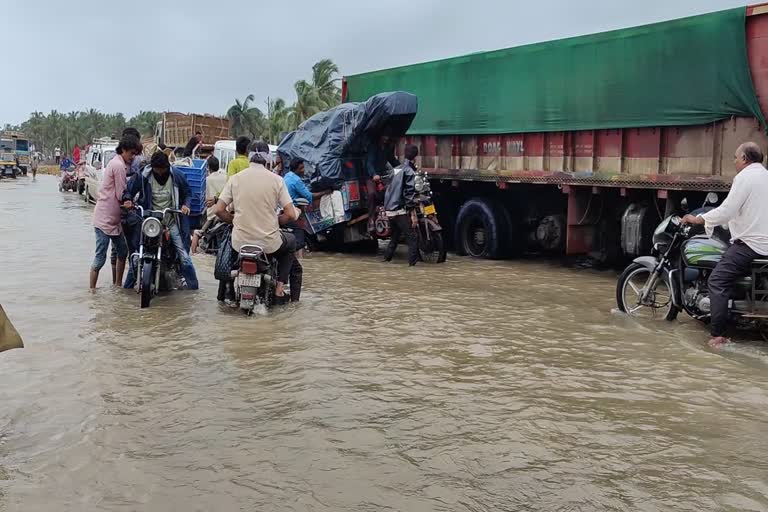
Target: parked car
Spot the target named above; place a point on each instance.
(101, 151)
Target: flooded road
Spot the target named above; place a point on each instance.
(471, 386)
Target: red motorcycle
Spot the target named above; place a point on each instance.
(68, 181)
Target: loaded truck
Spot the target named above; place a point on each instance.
(175, 129)
(579, 146)
(22, 150)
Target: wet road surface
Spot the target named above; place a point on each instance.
(471, 386)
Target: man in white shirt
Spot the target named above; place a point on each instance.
(255, 195)
(745, 211)
(214, 184)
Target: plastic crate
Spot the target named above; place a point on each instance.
(196, 178)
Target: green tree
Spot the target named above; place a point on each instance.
(307, 104)
(277, 119)
(238, 115)
(145, 121)
(324, 82)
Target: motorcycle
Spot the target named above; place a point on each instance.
(156, 264)
(674, 278)
(68, 181)
(254, 279)
(432, 247)
(213, 238)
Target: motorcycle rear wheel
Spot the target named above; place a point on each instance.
(146, 284)
(629, 287)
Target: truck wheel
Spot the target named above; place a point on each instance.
(482, 229)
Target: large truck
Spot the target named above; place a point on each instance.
(22, 150)
(579, 146)
(175, 129)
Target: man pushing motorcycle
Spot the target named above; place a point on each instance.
(745, 211)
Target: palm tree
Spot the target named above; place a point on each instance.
(324, 82)
(307, 104)
(277, 119)
(238, 115)
(145, 121)
(256, 123)
(94, 124)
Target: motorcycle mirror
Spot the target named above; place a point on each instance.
(684, 204)
(711, 198)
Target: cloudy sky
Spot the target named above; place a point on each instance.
(196, 56)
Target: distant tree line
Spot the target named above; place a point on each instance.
(322, 92)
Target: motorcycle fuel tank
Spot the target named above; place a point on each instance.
(703, 252)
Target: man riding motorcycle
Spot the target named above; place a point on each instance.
(745, 210)
(158, 187)
(255, 194)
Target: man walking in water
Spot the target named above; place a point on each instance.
(745, 211)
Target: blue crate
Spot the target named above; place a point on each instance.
(196, 178)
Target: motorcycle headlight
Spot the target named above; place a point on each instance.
(151, 228)
(419, 183)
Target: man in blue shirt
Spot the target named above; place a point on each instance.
(297, 189)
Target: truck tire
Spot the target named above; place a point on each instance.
(482, 229)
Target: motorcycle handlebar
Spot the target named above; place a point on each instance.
(157, 212)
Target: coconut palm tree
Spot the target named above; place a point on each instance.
(307, 104)
(145, 121)
(277, 119)
(238, 115)
(324, 82)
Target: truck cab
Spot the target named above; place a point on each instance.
(23, 157)
(8, 164)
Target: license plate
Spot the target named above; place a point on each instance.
(253, 280)
(430, 210)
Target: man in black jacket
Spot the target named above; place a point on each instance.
(400, 204)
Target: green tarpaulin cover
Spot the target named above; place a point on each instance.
(681, 72)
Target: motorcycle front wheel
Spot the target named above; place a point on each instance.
(146, 284)
(432, 250)
(659, 303)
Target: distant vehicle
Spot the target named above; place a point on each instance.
(8, 165)
(224, 151)
(22, 150)
(101, 151)
(175, 130)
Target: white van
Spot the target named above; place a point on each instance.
(98, 155)
(224, 151)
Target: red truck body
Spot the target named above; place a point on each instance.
(626, 167)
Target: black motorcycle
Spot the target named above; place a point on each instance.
(213, 237)
(674, 278)
(432, 247)
(156, 265)
(254, 279)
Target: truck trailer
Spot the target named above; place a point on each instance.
(579, 146)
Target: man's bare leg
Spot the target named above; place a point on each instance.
(120, 269)
(94, 278)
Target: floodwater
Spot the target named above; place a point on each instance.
(471, 386)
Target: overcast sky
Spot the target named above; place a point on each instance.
(195, 56)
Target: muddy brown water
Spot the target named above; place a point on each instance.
(470, 386)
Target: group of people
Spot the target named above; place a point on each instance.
(248, 195)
